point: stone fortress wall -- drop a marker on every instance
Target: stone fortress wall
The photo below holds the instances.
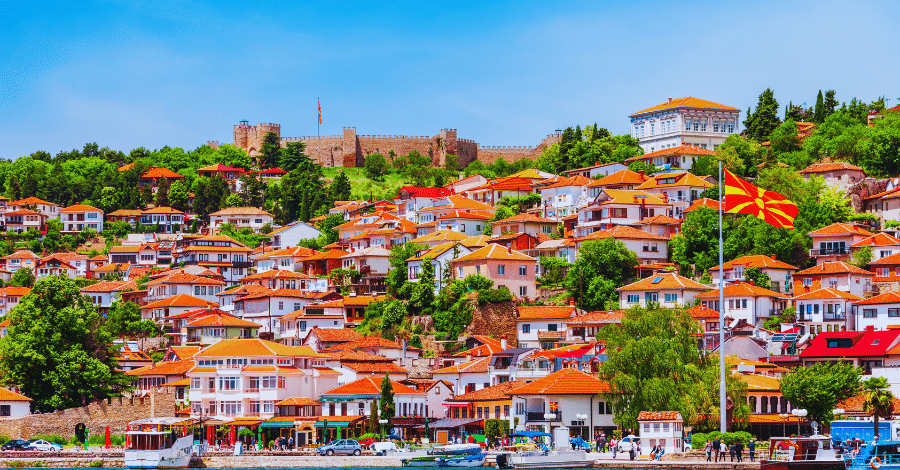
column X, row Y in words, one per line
column 350, row 149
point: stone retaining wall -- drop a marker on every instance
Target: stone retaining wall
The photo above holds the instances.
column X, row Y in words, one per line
column 96, row 416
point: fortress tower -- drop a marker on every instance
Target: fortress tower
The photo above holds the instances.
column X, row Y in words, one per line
column 250, row 138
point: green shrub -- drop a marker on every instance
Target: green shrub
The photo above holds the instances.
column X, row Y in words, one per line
column 3, row 439
column 698, row 440
column 96, row 464
column 54, row 438
column 418, row 329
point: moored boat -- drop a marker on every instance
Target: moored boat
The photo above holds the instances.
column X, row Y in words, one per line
column 877, row 455
column 451, row 455
column 156, row 443
column 801, row 453
column 541, row 459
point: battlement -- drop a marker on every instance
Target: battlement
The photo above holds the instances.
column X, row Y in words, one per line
column 213, row 144
column 504, row 147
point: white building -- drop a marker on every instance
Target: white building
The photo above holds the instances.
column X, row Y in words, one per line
column 825, row 309
column 666, row 289
column 880, row 312
column 240, row 217
column 78, row 217
column 684, row 121
column 13, row 405
column 291, row 234
column 661, row 428
column 745, row 301
column 558, row 399
column 355, row 399
column 441, row 256
column 542, row 326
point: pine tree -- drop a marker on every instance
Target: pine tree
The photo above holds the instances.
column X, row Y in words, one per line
column 819, row 111
column 162, row 193
column 340, row 187
column 388, row 410
column 373, row 417
column 147, row 194
column 830, row 104
column 764, row 119
column 270, row 150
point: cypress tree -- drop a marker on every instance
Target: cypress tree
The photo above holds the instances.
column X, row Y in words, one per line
column 819, row 111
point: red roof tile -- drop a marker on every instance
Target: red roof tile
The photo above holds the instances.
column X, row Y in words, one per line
column 756, row 261
column 368, row 386
column 826, row 167
column 864, row 344
column 742, row 289
column 564, row 382
column 689, row 102
column 658, row 415
column 841, row 228
column 544, row 312
column 494, row 393
column 833, row 267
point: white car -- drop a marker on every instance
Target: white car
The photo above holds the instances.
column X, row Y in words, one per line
column 626, row 443
column 44, row 446
column 382, row 448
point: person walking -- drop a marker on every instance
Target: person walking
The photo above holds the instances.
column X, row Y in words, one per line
column 739, row 450
column 751, row 449
column 715, row 448
column 732, row 449
column 615, row 446
column 708, row 450
column 723, row 450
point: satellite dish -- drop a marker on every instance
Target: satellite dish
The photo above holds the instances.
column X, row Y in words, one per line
column 815, row 427
column 80, row 429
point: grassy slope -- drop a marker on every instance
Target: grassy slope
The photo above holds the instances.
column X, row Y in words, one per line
column 364, row 188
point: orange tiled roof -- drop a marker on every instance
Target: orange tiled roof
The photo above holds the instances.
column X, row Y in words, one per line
column 458, row 214
column 756, row 261
column 545, row 312
column 6, row 395
column 161, row 173
column 508, row 183
column 841, row 228
column 183, row 278
column 576, row 180
column 477, row 241
column 440, row 236
column 494, row 393
column 890, row 297
column 855, row 403
column 161, row 210
column 743, row 289
column 181, row 300
column 681, row 150
column 164, row 368
column 621, row 177
column 633, row 197
column 701, row 312
column 369, row 386
column 494, row 251
column 31, row 201
column 658, row 415
column 689, row 102
column 297, row 401
column 13, row 291
column 622, row 232
column 475, row 366
column 275, row 274
column 598, row 316
column 109, row 286
column 240, row 211
column 371, row 342
column 827, row 294
column 879, row 239
column 22, row 254
column 664, row 281
column 357, row 356
column 326, row 255
column 185, row 352
column 659, row 220
column 703, row 202
column 826, row 167
column 679, row 179
column 221, row 320
column 256, row 347
column 334, row 335
column 380, row 367
column 756, row 383
column 833, row 267
column 564, row 382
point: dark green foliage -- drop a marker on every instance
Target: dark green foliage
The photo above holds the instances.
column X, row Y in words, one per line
column 602, row 266
column 23, row 277
column 124, row 319
column 764, row 119
column 57, row 349
column 758, row 277
column 340, row 187
column 293, row 156
column 270, row 150
column 397, row 274
column 819, row 111
column 388, row 409
column 820, row 387
column 376, row 166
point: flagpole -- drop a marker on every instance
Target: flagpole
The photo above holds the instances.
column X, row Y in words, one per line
column 318, row 123
column 722, row 396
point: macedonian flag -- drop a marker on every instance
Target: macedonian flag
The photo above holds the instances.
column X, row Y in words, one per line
column 742, row 197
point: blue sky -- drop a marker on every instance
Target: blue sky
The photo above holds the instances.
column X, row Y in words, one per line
column 154, row 73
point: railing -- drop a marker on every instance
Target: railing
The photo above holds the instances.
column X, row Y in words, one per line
column 252, row 390
column 539, row 416
column 241, row 264
column 828, row 252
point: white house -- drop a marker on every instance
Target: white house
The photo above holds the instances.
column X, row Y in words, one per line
column 13, row 405
column 542, row 326
column 441, row 256
column 355, row 399
column 779, row 272
column 291, row 234
column 745, row 301
column 649, row 247
column 564, row 197
column 666, row 289
column 825, row 309
column 240, row 217
column 77, row 217
column 619, row 207
column 661, row 428
column 466, row 377
column 684, row 121
column 879, row 312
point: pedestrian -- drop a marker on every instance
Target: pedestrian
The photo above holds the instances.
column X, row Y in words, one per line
column 614, row 444
column 716, row 450
column 708, row 450
column 723, row 450
column 660, row 451
column 751, row 448
column 739, row 450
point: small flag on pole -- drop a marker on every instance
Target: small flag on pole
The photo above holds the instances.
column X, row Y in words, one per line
column 320, row 111
column 742, row 197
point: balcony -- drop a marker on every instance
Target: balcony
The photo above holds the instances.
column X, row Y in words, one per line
column 241, row 264
column 539, row 416
column 829, row 252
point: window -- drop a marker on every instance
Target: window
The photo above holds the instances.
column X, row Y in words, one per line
column 303, row 326
column 523, row 271
column 523, row 291
column 462, row 227
column 655, row 427
column 459, row 271
column 552, row 327
column 651, row 296
column 228, row 383
column 526, row 328
column 869, row 313
column 501, row 269
column 730, row 304
column 894, row 312
column 634, row 298
column 646, row 427
column 671, row 297
column 269, row 382
column 744, row 303
column 478, row 269
column 688, row 126
column 665, row 427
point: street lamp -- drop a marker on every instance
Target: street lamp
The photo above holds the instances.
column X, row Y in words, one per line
column 383, row 422
column 800, row 414
column 784, row 417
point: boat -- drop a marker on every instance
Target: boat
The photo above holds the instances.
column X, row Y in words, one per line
column 814, row 452
column 877, row 455
column 451, row 455
column 155, row 443
column 538, row 458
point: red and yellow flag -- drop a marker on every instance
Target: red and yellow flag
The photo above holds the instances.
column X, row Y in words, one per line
column 320, row 111
column 742, row 197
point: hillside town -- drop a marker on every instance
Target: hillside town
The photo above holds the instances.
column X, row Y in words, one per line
column 273, row 297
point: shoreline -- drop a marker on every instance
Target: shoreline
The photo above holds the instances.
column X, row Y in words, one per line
column 263, row 460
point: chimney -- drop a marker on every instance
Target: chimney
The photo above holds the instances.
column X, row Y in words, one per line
column 571, row 302
column 752, row 283
column 509, row 248
column 665, row 197
column 468, row 356
column 774, row 258
column 870, row 328
column 596, row 163
column 503, row 343
column 670, row 100
column 641, row 173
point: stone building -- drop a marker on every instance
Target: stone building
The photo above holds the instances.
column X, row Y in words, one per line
column 684, row 121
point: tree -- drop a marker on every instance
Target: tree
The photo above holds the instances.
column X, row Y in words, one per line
column 758, row 277
column 784, row 138
column 879, row 400
column 293, row 156
column 146, row 194
column 554, row 271
column 376, row 166
column 830, row 104
column 601, row 267
column 422, row 292
column 764, row 119
column 340, row 187
column 388, row 410
column 162, row 193
column 654, row 365
column 124, row 319
column 397, row 274
column 270, row 150
column 819, row 387
column 109, row 199
column 373, row 414
column 819, row 111
column 863, row 257
column 178, row 196
column 57, row 350
column 417, row 167
column 329, row 234
column 23, row 277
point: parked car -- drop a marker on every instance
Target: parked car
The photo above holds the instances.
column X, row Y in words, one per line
column 15, row 444
column 626, row 443
column 341, row 446
column 365, row 443
column 44, row 446
column 382, row 448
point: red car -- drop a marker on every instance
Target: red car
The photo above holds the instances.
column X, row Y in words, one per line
column 365, row 443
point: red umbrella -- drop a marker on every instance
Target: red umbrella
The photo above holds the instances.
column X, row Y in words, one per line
column 233, row 435
column 127, row 437
column 107, row 442
column 209, row 434
column 183, row 430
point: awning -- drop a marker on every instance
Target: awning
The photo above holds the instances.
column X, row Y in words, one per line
column 450, row 423
column 277, row 424
column 244, row 422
